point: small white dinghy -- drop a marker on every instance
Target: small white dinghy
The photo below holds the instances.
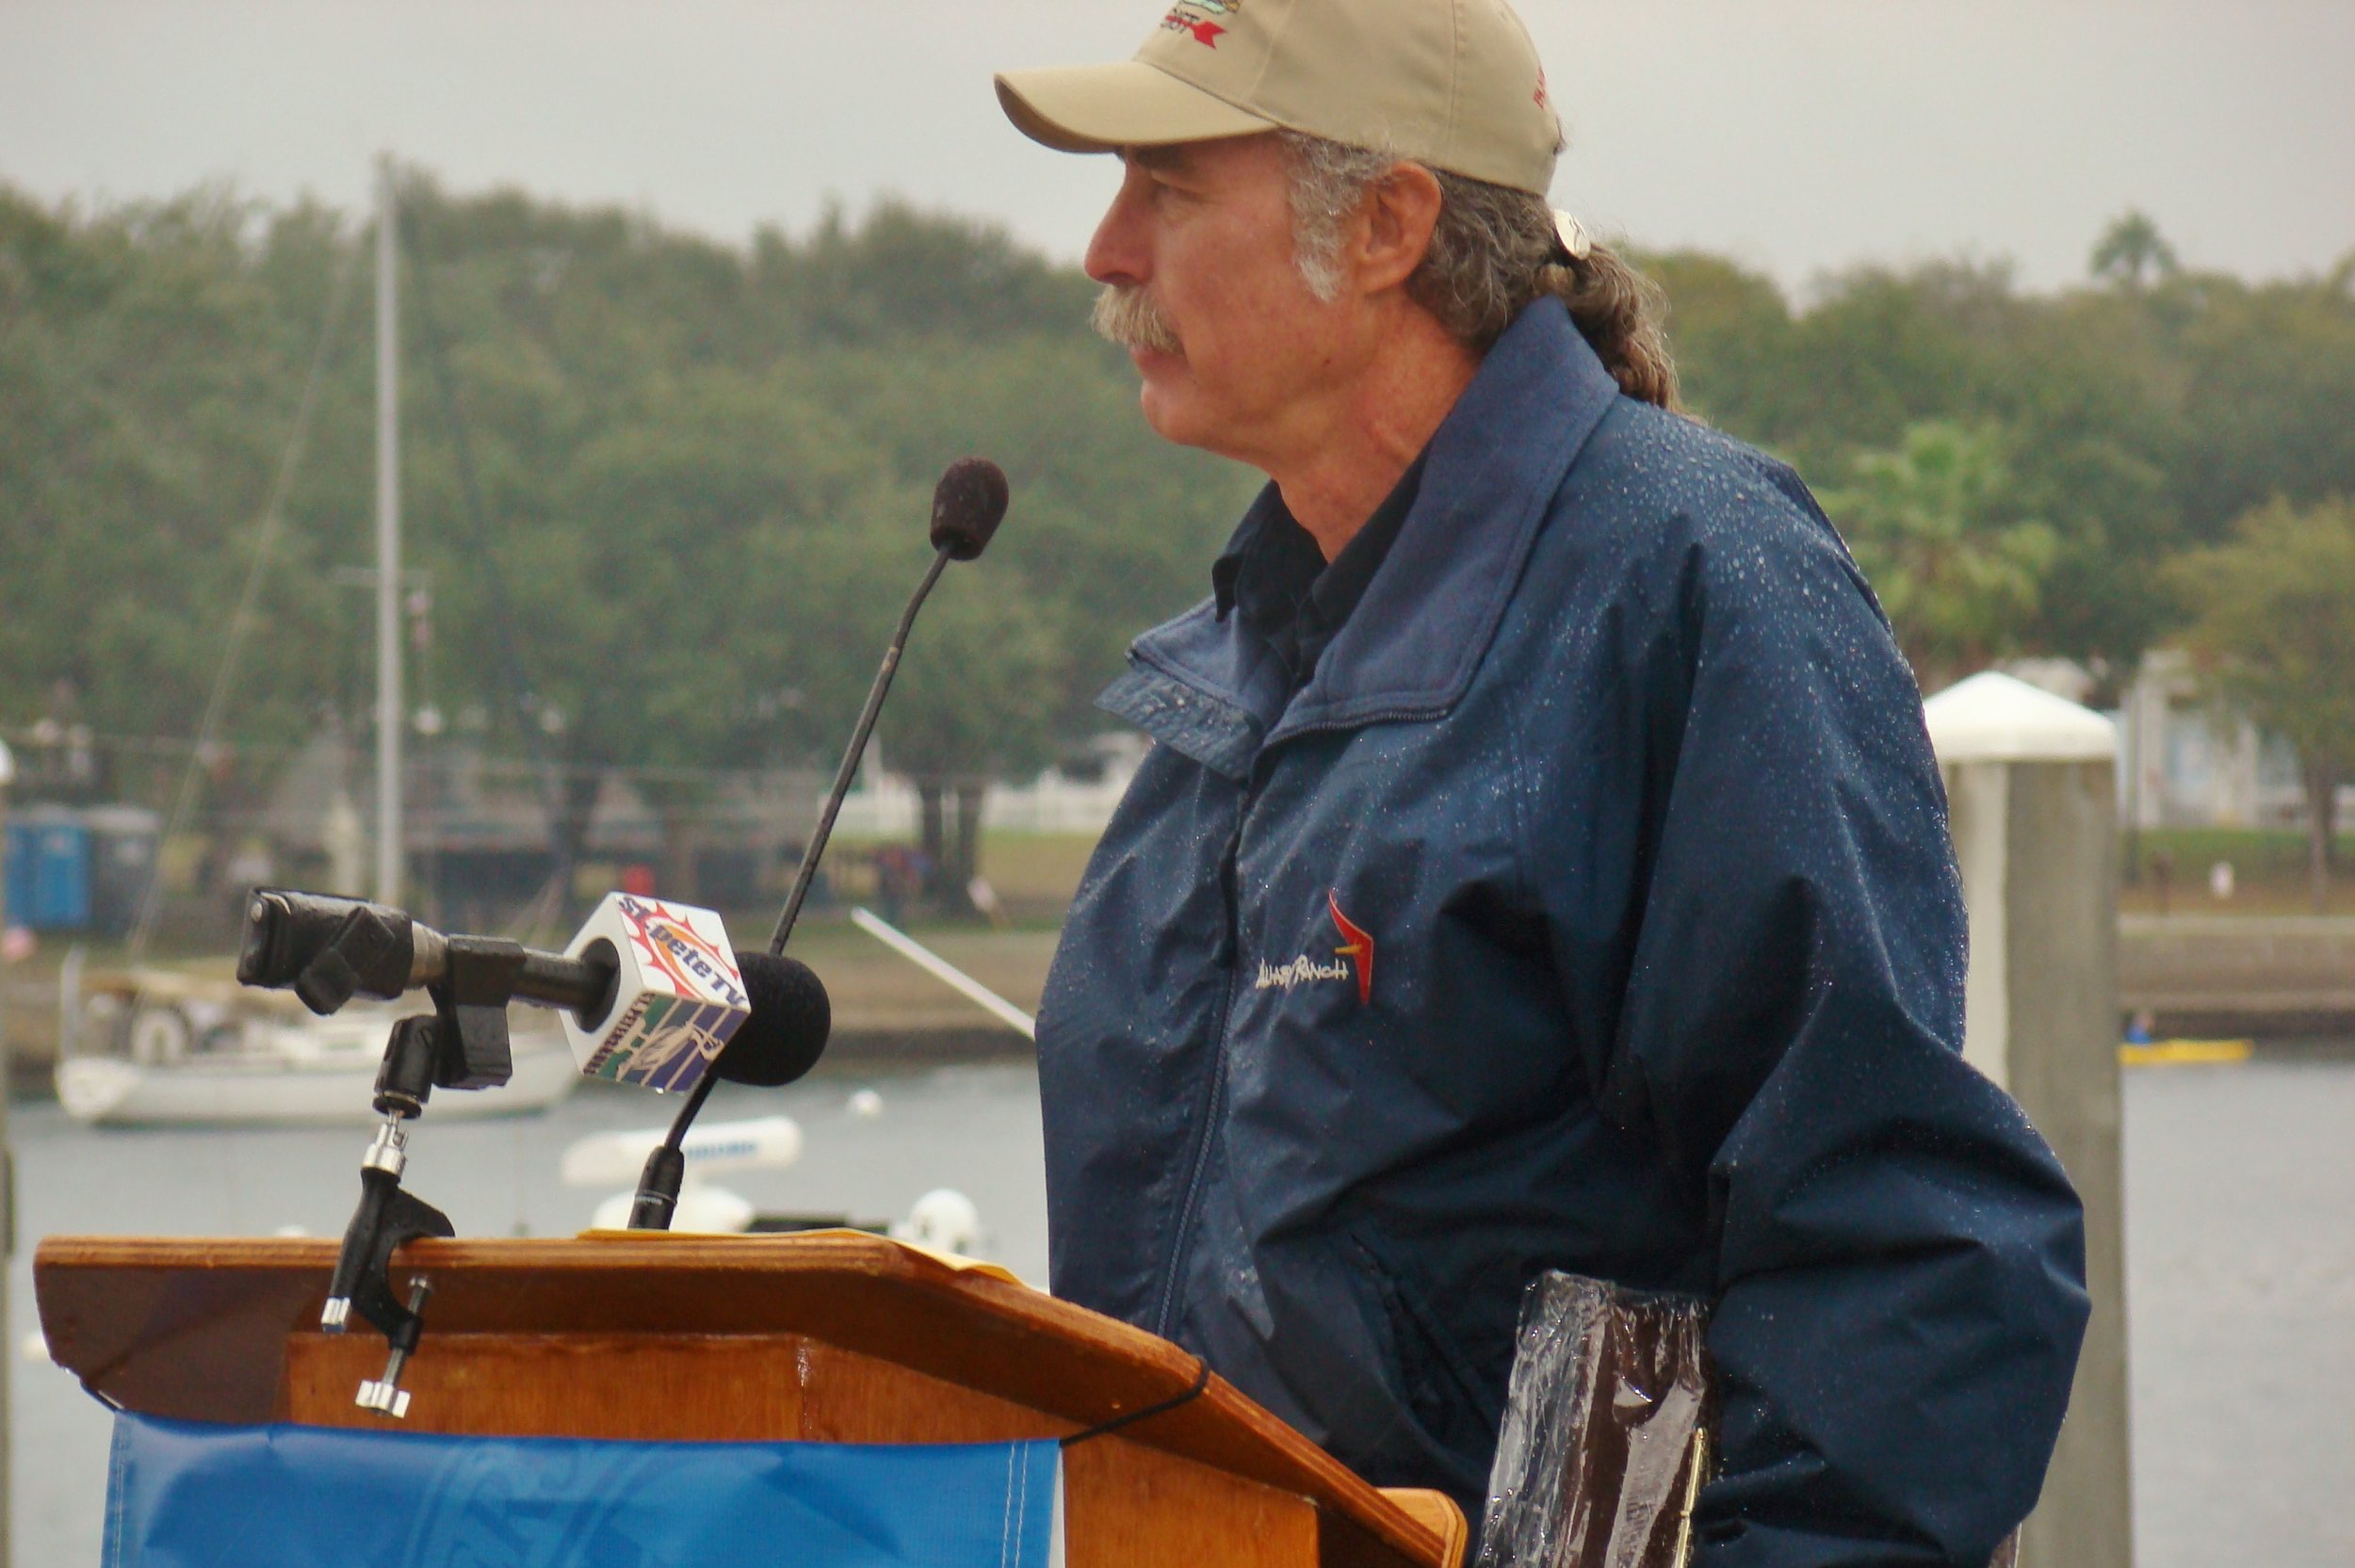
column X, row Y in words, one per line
column 614, row 1158
column 189, row 1050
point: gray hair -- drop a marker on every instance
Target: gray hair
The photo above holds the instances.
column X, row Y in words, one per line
column 1492, row 251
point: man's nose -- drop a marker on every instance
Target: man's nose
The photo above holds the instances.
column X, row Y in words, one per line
column 1118, row 252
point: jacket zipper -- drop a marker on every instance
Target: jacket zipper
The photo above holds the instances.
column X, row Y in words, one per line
column 1181, row 1242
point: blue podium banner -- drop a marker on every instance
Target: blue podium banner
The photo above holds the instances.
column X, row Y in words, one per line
column 190, row 1494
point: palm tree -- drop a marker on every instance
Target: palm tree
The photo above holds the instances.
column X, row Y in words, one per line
column 2131, row 251
column 1932, row 526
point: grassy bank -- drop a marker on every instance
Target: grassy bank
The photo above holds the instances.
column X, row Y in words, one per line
column 2166, row 870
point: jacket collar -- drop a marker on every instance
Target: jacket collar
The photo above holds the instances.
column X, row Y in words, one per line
column 1411, row 647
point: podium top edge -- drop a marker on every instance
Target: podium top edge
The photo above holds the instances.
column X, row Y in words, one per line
column 856, row 1252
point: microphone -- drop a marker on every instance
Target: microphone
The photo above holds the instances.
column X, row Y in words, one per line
column 968, row 503
column 780, row 1042
column 328, row 949
column 790, row 1019
column 652, row 994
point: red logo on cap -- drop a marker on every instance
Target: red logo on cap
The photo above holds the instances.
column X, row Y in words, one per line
column 1182, row 19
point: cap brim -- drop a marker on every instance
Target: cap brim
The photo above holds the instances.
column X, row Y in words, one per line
column 1102, row 108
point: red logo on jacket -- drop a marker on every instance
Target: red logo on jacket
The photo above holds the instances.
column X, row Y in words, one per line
column 1357, row 947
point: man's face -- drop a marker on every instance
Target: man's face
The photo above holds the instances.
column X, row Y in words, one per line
column 1205, row 232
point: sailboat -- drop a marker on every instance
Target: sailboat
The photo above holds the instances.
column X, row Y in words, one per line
column 207, row 1051
column 155, row 1046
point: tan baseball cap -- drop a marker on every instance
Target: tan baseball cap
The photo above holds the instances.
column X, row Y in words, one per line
column 1455, row 84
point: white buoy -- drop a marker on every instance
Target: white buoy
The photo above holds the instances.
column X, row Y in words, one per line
column 944, row 1219
column 865, row 1104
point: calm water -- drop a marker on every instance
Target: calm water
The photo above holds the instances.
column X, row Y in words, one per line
column 2241, row 1237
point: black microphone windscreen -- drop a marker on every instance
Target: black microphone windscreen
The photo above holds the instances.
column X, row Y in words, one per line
column 786, row 1032
column 967, row 505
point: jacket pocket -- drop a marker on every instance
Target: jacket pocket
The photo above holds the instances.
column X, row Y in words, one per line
column 1457, row 1407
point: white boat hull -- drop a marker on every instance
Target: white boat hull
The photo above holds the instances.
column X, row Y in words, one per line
column 264, row 1091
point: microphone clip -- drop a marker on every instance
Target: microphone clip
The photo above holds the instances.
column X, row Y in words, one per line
column 387, row 1218
column 462, row 1044
column 470, row 1010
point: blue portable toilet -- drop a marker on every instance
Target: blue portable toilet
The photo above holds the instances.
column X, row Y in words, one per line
column 8, row 858
column 49, row 869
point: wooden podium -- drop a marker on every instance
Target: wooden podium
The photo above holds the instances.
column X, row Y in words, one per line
column 835, row 1336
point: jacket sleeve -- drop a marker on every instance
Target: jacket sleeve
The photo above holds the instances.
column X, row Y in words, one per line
column 1899, row 1270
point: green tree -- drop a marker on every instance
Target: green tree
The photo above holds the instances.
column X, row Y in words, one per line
column 2131, row 251
column 1732, row 331
column 2266, row 375
column 2083, row 387
column 977, row 705
column 152, row 360
column 974, row 698
column 1934, row 527
column 744, row 483
column 700, row 473
column 1881, row 350
column 2087, row 407
column 2274, row 630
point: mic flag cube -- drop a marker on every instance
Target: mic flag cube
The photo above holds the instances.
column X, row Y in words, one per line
column 677, row 994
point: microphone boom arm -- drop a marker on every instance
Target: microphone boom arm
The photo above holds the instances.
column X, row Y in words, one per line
column 967, row 506
column 808, row 871
column 659, row 1185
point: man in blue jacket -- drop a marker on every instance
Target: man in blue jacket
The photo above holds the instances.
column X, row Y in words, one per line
column 1541, row 863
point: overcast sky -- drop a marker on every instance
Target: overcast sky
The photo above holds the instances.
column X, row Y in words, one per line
column 1799, row 136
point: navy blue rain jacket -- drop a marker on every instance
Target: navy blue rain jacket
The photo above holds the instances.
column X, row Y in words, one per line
column 1591, row 908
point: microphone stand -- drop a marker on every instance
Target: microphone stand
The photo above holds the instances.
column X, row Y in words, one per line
column 857, row 748
column 666, row 1167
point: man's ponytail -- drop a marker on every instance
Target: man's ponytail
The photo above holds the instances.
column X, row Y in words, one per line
column 1619, row 311
column 1492, row 251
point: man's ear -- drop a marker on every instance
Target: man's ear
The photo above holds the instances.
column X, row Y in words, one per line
column 1400, row 211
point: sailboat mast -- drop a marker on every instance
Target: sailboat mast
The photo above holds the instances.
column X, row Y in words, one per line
column 388, row 702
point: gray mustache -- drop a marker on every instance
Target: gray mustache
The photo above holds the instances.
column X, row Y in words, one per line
column 1127, row 317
